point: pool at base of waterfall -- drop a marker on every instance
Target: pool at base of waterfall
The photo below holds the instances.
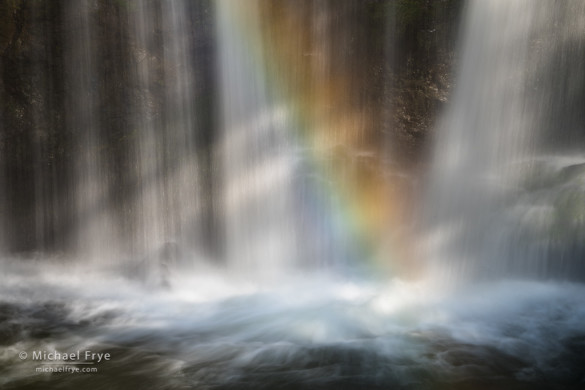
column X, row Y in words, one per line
column 215, row 331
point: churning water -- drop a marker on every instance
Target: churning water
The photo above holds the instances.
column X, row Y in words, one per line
column 212, row 331
column 501, row 303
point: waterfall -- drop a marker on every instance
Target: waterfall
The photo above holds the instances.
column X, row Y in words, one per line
column 136, row 189
column 94, row 227
column 166, row 169
column 132, row 152
column 230, row 194
column 257, row 150
column 110, row 165
column 494, row 207
column 298, row 149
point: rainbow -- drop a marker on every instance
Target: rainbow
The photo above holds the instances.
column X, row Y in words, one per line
column 337, row 129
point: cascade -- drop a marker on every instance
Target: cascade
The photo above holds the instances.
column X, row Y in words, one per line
column 258, row 154
column 93, row 227
column 166, row 169
column 289, row 140
column 500, row 193
column 111, row 168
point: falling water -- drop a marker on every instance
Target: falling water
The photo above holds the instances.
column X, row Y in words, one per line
column 115, row 170
column 285, row 143
column 500, row 190
column 257, row 151
column 166, row 169
column 94, row 227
